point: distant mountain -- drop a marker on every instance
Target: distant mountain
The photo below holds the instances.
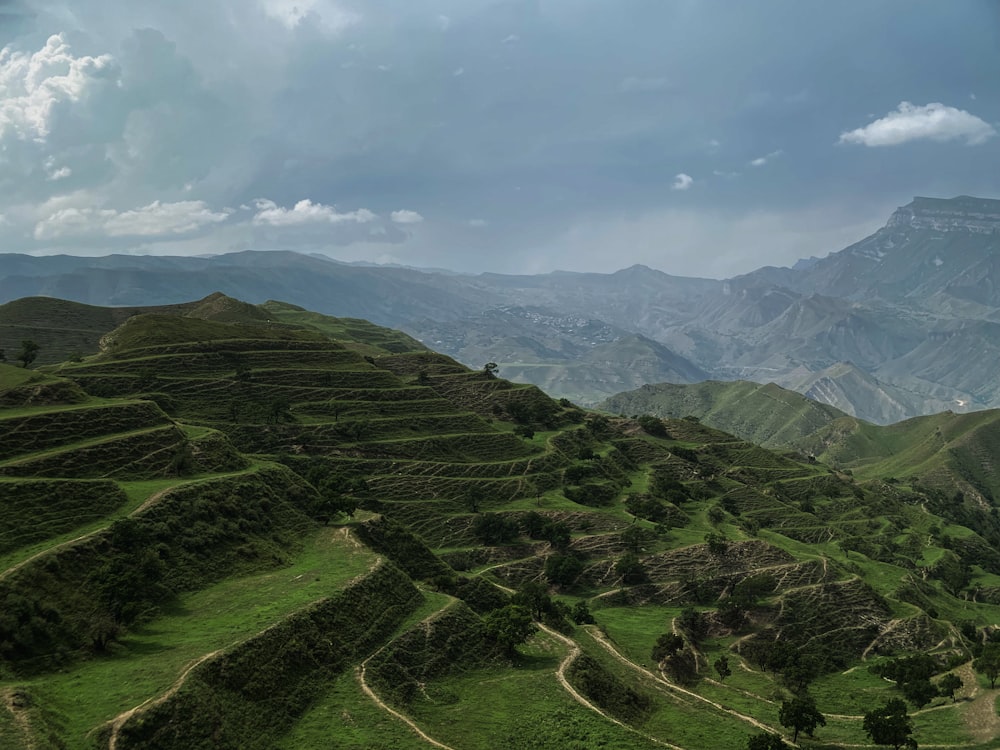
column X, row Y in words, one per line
column 903, row 323
column 569, row 356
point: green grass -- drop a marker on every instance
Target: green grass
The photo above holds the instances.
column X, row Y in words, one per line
column 522, row 707
column 151, row 657
column 350, row 716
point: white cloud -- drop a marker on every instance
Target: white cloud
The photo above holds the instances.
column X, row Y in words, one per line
column 34, row 86
column 760, row 161
column 156, row 219
column 322, row 13
column 682, row 182
column 933, row 121
column 306, row 212
column 478, row 223
column 406, row 217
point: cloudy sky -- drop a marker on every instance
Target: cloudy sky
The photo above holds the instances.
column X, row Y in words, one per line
column 700, row 137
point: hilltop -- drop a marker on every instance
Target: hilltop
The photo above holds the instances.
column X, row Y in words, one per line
column 258, row 526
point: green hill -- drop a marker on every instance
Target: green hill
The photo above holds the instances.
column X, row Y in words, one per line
column 258, row 527
column 765, row 414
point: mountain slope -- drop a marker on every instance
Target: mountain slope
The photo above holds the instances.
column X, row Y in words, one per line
column 765, row 414
column 253, row 532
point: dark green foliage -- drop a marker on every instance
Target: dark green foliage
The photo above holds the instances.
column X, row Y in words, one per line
column 607, row 691
column 28, row 353
column 33, row 510
column 634, row 538
column 666, row 646
column 912, row 676
column 479, row 594
column 919, row 692
column 653, row 426
column 948, row 684
column 592, row 494
column 801, row 715
column 722, row 667
column 492, row 528
column 403, row 547
column 630, row 570
column 766, row 741
column 555, row 533
column 717, row 543
column 509, row 627
column 524, row 431
column 532, row 524
column 581, row 614
column 889, row 725
column 652, row 509
column 563, row 570
column 988, row 663
column 692, row 624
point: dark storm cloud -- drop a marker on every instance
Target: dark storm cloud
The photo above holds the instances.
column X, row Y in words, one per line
column 527, row 134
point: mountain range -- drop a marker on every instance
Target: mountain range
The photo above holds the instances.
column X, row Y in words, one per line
column 903, row 323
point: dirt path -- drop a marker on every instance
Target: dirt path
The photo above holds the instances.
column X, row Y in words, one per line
column 151, row 500
column 981, row 717
column 360, row 672
column 119, row 721
column 609, row 647
column 20, row 718
column 574, row 651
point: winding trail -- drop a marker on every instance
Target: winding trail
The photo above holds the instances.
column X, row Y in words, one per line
column 609, row 647
column 20, row 718
column 574, row 652
column 359, row 672
column 119, row 721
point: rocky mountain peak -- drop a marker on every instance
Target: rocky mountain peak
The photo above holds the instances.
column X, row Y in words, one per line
column 961, row 214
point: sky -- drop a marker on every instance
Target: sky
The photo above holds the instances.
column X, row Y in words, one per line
column 698, row 137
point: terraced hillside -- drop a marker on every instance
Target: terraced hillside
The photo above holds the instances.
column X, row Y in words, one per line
column 262, row 528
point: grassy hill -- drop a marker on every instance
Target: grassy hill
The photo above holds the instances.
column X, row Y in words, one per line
column 765, row 414
column 260, row 527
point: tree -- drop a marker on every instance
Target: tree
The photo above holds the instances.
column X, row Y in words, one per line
column 989, row 663
column 490, row 370
column 563, row 570
column 28, row 353
column 630, row 568
column 493, row 528
column 919, row 692
column 948, row 684
column 766, row 741
column 722, row 667
column 667, row 644
column 509, row 627
column 889, row 725
column 581, row 614
column 801, row 715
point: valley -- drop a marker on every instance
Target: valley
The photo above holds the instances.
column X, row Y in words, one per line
column 873, row 330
